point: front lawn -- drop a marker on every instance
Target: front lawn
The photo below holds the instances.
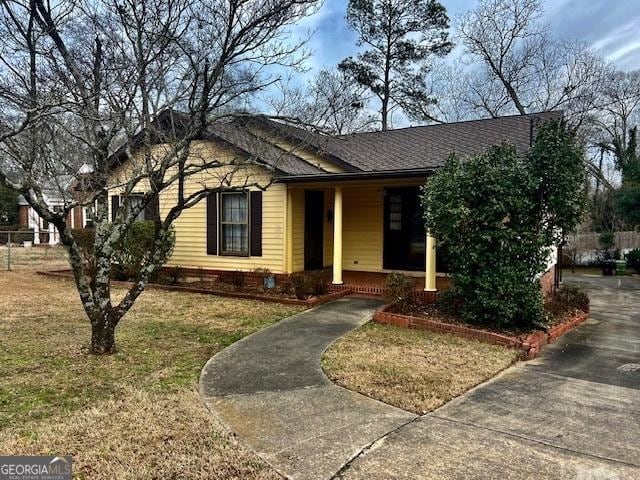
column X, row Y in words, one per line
column 132, row 415
column 43, row 257
column 414, row 370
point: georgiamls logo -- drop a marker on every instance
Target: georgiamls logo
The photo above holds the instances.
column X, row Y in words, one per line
column 35, row 468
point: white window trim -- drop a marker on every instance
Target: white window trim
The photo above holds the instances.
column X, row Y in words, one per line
column 219, row 239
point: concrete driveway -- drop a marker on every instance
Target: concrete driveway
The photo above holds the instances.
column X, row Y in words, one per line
column 573, row 413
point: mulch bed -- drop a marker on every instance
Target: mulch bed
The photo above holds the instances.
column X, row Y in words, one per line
column 222, row 290
column 430, row 317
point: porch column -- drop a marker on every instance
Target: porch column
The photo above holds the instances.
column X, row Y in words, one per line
column 337, row 236
column 430, row 270
column 289, row 233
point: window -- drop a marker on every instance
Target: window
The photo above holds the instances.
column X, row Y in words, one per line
column 134, row 202
column 395, row 212
column 88, row 216
column 234, row 223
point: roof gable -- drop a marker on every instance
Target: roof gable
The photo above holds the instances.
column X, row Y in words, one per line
column 411, row 149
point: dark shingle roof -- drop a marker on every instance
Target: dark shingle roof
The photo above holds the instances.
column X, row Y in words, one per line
column 405, row 150
column 261, row 150
column 424, row 147
column 429, row 146
column 303, row 138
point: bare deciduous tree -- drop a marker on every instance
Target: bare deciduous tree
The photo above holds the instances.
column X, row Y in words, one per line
column 97, row 84
column 521, row 68
column 617, row 114
column 330, row 102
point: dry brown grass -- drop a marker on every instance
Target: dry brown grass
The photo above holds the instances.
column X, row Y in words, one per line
column 34, row 258
column 415, row 370
column 142, row 436
column 135, row 413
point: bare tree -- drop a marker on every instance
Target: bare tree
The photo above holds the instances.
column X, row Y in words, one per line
column 519, row 66
column 330, row 102
column 339, row 105
column 617, row 114
column 98, row 84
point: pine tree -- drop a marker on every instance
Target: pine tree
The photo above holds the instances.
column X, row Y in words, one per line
column 400, row 36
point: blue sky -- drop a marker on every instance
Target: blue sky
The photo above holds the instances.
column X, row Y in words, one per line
column 611, row 26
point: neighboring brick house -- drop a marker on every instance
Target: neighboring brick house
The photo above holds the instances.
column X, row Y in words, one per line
column 43, row 231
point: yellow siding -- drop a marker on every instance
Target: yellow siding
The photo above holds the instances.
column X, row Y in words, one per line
column 191, row 233
column 363, row 233
column 362, row 218
column 191, row 237
column 298, row 226
column 362, row 228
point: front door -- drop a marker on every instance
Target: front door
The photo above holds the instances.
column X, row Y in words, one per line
column 313, row 230
column 404, row 234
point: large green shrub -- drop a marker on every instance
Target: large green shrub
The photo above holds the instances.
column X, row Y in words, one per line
column 633, row 259
column 498, row 213
column 135, row 246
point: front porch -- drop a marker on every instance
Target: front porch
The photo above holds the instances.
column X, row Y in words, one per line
column 372, row 283
column 362, row 231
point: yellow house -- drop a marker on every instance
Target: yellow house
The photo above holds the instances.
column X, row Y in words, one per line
column 306, row 201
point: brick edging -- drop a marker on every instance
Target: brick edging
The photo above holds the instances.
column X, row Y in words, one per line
column 530, row 345
column 310, row 302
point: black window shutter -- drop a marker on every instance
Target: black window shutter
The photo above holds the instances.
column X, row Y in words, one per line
column 115, row 206
column 255, row 201
column 212, row 224
column 152, row 210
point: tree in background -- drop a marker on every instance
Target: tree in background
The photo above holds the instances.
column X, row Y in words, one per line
column 628, row 196
column 98, row 85
column 617, row 113
column 520, row 68
column 498, row 214
column 330, row 102
column 338, row 104
column 8, row 206
column 517, row 66
column 611, row 131
column 400, row 37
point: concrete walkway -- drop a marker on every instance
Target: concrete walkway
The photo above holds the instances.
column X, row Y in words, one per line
column 269, row 389
column 573, row 413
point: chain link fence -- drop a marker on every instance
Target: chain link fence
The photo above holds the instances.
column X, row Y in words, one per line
column 24, row 250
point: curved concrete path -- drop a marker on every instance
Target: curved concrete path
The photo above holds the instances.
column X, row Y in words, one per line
column 269, row 388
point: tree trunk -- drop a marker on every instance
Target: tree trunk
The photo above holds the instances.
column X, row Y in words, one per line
column 103, row 339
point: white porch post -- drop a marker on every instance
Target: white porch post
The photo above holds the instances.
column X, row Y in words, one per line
column 430, row 265
column 337, row 236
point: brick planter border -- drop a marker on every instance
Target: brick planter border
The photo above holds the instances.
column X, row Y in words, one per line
column 310, row 302
column 529, row 345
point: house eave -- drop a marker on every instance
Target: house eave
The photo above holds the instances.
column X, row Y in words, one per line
column 336, row 177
